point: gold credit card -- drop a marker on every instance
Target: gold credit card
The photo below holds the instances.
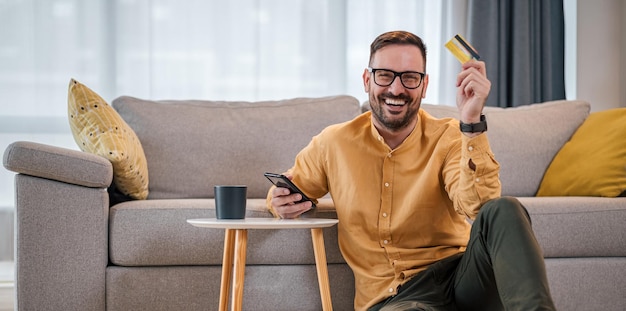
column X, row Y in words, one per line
column 462, row 50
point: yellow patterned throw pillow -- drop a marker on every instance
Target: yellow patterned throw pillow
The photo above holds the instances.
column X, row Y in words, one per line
column 593, row 161
column 97, row 128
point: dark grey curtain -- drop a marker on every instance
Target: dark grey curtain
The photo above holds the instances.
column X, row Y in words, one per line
column 522, row 43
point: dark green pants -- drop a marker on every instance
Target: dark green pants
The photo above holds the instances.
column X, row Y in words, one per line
column 502, row 269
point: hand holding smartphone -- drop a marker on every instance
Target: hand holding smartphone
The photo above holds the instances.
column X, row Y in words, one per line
column 280, row 180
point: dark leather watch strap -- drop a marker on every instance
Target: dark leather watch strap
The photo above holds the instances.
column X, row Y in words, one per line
column 474, row 127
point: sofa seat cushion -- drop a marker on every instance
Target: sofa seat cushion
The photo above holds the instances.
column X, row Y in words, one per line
column 156, row 233
column 578, row 226
column 194, row 145
column 525, row 139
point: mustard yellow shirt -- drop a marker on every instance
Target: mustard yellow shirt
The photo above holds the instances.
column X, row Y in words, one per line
column 399, row 210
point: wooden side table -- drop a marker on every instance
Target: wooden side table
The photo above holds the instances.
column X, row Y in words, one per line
column 235, row 243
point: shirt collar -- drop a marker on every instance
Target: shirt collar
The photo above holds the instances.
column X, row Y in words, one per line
column 415, row 133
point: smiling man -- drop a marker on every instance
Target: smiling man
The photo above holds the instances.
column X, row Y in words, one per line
column 421, row 220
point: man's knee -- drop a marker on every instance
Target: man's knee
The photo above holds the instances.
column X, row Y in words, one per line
column 506, row 208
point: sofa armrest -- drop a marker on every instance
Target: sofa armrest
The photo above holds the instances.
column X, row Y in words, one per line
column 61, row 227
column 56, row 163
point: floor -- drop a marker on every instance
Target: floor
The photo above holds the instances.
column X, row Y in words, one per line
column 6, row 286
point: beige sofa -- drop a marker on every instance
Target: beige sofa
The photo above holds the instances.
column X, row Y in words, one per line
column 76, row 252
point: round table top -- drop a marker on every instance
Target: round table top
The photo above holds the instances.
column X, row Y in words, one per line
column 263, row 223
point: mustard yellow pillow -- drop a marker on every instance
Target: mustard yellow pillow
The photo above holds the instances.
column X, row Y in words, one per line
column 593, row 161
column 97, row 128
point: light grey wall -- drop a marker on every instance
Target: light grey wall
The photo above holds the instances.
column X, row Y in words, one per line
column 6, row 233
column 596, row 69
column 623, row 53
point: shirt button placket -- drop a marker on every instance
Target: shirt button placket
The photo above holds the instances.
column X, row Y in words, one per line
column 385, row 208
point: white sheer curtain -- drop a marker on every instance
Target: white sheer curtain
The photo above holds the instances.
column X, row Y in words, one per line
column 198, row 49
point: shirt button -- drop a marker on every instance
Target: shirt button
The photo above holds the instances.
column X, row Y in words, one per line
column 385, row 242
column 380, row 138
column 386, row 184
column 384, row 214
column 391, row 290
column 470, row 148
column 477, row 179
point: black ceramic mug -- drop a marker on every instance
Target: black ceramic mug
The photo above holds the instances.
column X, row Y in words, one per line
column 230, row 202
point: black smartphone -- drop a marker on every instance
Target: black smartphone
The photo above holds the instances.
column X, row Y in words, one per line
column 280, row 180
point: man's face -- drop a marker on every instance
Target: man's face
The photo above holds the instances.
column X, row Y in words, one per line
column 395, row 107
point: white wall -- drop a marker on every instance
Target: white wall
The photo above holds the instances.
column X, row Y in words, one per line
column 596, row 68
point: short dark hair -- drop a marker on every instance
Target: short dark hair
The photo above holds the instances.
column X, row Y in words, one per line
column 397, row 37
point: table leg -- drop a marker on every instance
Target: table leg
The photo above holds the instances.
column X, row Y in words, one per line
column 241, row 241
column 322, row 268
column 227, row 268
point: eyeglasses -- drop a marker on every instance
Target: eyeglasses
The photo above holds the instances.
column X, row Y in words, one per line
column 385, row 77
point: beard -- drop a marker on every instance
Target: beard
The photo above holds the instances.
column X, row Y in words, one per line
column 392, row 121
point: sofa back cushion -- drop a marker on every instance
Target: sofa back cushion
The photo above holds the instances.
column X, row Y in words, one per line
column 525, row 139
column 192, row 145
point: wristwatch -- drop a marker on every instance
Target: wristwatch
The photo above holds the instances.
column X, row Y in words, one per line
column 474, row 127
